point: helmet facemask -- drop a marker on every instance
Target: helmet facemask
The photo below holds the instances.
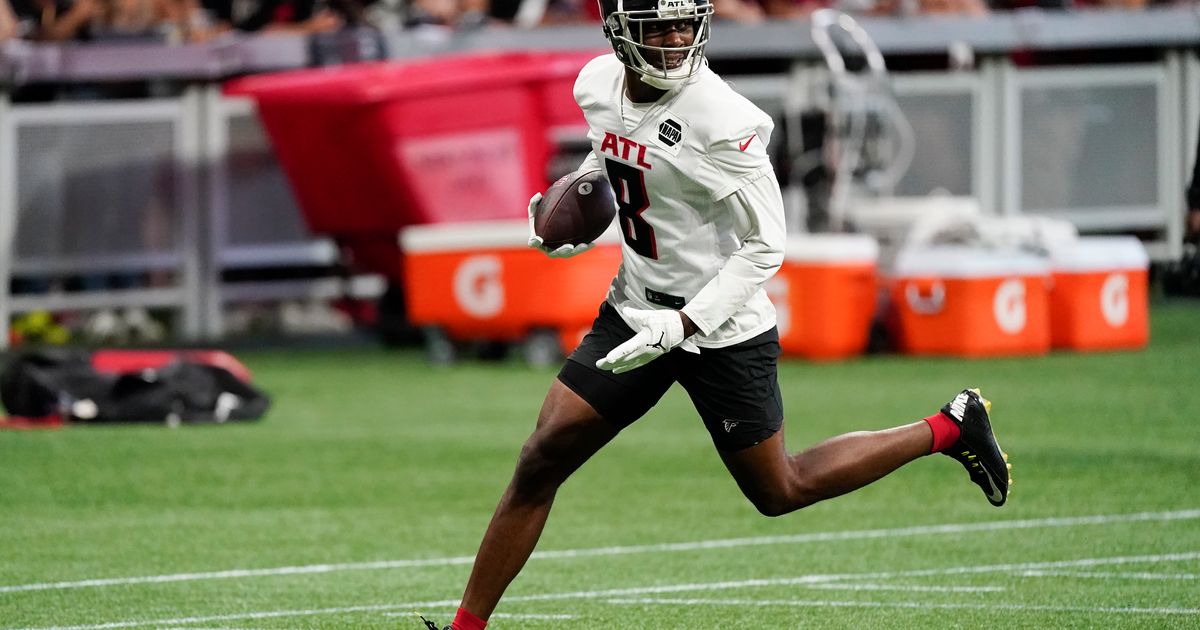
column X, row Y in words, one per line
column 659, row 67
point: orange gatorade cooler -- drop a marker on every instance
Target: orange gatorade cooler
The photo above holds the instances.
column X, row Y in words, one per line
column 824, row 294
column 480, row 281
column 1099, row 300
column 954, row 300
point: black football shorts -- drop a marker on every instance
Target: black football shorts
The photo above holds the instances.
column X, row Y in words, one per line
column 735, row 389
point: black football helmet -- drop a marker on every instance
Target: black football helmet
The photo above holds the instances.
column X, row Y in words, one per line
column 626, row 20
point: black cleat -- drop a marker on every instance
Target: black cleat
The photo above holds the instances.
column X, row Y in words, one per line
column 976, row 448
column 429, row 624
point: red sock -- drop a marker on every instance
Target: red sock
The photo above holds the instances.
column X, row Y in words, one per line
column 945, row 432
column 466, row 621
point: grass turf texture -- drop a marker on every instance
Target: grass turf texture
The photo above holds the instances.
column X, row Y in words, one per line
column 374, row 456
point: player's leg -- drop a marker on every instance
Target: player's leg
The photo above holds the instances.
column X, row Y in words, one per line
column 585, row 408
column 736, row 391
column 569, row 431
column 777, row 482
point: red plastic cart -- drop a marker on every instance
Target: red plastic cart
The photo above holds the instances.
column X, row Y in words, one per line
column 370, row 149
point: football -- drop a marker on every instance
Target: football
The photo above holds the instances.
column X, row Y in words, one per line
column 576, row 209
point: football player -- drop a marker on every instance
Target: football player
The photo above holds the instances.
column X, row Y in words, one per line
column 702, row 218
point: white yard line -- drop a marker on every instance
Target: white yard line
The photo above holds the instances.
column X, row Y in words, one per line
column 238, row 573
column 1021, row 567
column 1112, row 575
column 250, row 616
column 860, row 586
column 625, row 593
column 918, row 605
column 727, row 543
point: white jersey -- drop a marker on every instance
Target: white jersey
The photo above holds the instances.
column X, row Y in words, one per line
column 700, row 209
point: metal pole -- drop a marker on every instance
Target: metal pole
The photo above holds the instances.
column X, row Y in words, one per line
column 1171, row 130
column 191, row 241
column 1008, row 92
column 987, row 129
column 213, row 206
column 8, row 213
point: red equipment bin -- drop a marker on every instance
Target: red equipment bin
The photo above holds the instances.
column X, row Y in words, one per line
column 372, row 148
column 481, row 281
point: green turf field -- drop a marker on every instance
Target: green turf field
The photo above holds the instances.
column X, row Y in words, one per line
column 362, row 496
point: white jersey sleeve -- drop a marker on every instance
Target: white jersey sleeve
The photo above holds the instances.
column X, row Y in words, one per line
column 757, row 210
column 737, row 172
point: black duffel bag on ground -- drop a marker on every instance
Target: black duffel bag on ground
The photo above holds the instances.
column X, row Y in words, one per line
column 64, row 383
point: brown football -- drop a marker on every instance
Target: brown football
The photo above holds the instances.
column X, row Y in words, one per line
column 576, row 209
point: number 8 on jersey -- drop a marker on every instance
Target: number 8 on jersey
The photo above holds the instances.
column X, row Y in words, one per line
column 629, row 184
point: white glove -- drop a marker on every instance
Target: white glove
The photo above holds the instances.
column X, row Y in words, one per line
column 656, row 332
column 535, row 241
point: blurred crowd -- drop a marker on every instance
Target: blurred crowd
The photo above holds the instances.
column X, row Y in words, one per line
column 200, row 20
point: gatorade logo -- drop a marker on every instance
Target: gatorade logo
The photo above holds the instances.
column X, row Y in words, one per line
column 1008, row 306
column 1114, row 300
column 477, row 286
